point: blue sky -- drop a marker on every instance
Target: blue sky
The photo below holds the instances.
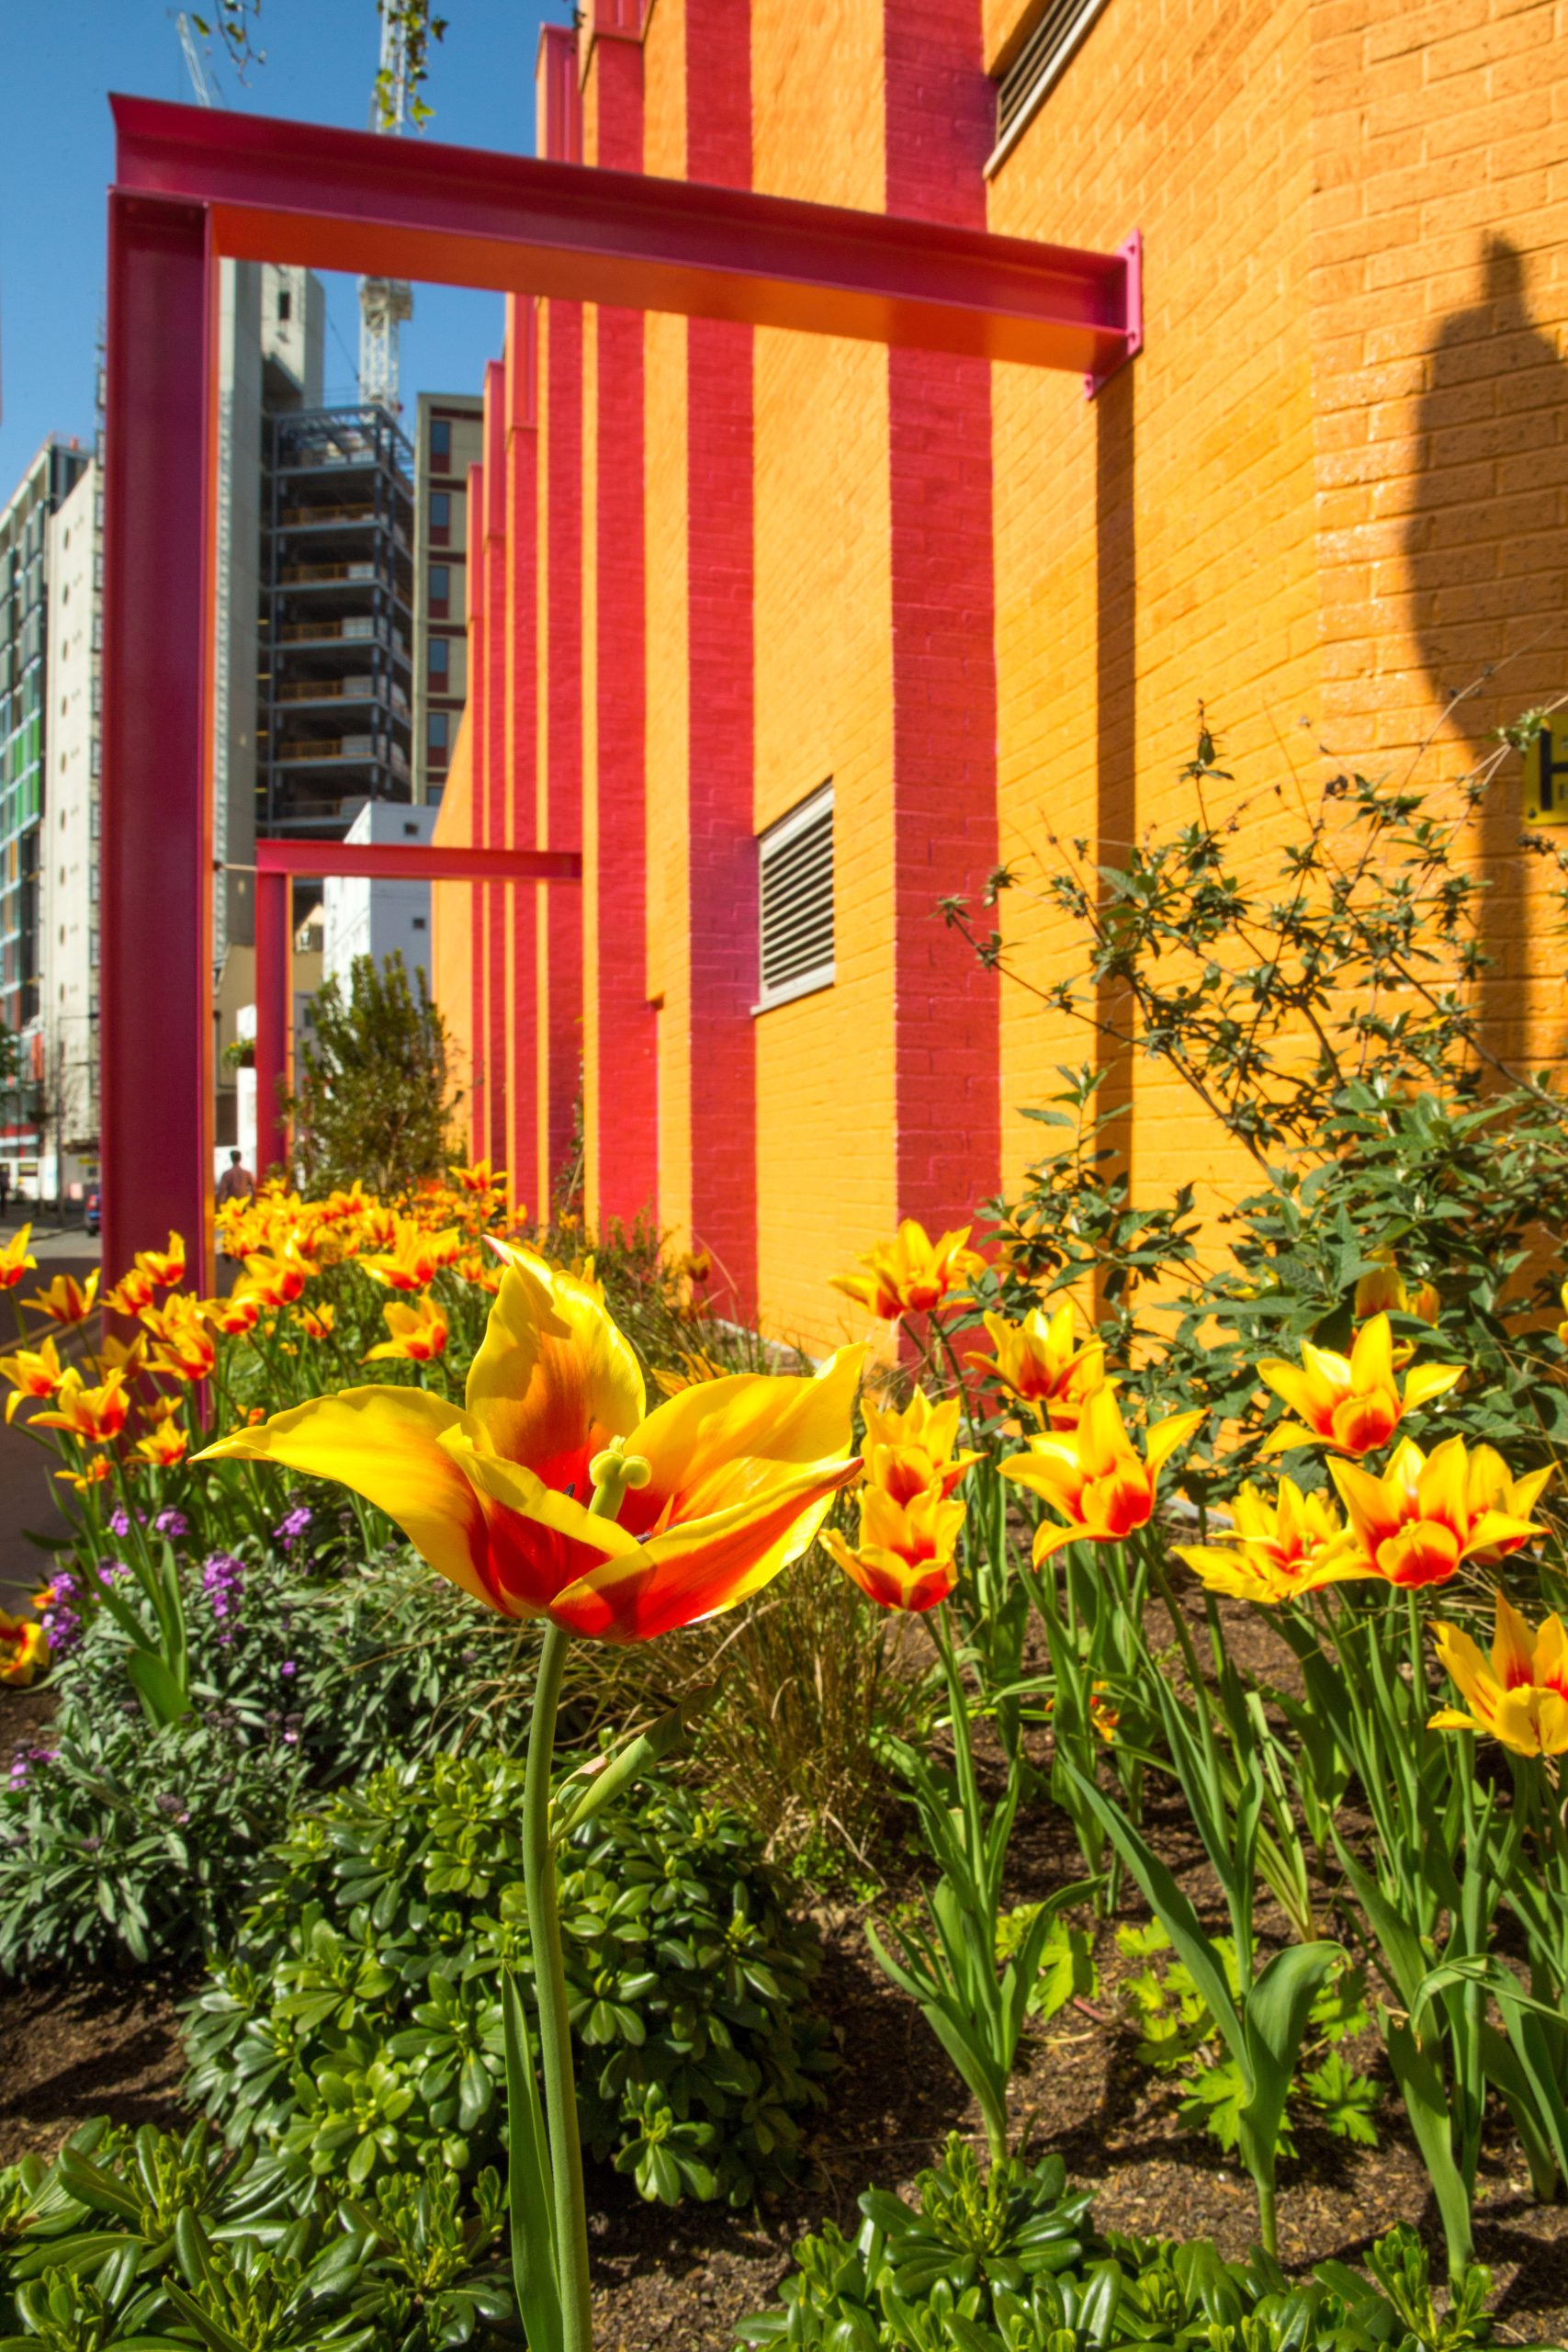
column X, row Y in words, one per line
column 59, row 58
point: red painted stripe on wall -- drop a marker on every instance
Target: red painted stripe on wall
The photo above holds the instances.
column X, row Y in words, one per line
column 493, row 554
column 946, row 1010
column 626, row 1142
column 522, row 731
column 478, row 717
column 721, row 589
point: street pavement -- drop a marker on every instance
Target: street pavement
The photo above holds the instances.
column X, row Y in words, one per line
column 27, row 1487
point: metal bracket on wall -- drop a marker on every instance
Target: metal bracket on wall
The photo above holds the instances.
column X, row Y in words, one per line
column 1132, row 254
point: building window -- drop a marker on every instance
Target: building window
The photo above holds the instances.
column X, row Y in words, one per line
column 439, row 660
column 440, row 445
column 284, row 306
column 438, row 736
column 794, row 888
column 440, row 591
column 440, row 518
column 1031, row 74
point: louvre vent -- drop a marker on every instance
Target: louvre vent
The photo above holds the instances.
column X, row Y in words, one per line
column 1062, row 25
column 795, row 862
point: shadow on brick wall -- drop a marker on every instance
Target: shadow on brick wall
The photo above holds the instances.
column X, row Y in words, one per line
column 1486, row 554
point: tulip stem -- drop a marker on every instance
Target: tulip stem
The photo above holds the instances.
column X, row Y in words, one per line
column 549, row 1990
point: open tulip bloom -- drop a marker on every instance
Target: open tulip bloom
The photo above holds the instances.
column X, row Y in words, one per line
column 1520, row 1694
column 552, row 1491
column 1094, row 1477
column 1352, row 1404
column 912, row 1274
column 1280, row 1550
column 1424, row 1516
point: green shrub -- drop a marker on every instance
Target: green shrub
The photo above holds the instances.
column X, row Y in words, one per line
column 122, row 1840
column 1008, row 2262
column 159, row 2240
column 356, row 2025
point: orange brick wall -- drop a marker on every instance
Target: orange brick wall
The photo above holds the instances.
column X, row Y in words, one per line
column 1331, row 492
column 825, row 1064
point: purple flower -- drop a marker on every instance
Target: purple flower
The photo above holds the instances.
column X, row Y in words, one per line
column 290, row 1529
column 288, row 1669
column 171, row 1522
column 61, row 1621
column 23, row 1761
column 120, row 1524
column 223, row 1582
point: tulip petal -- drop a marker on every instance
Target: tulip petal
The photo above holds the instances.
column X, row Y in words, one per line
column 539, row 1540
column 554, row 1380
column 386, row 1444
column 694, row 1570
column 1430, row 1380
column 1165, row 1438
column 1513, row 1647
column 714, row 1443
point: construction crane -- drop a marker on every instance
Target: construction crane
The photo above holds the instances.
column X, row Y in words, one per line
column 208, row 93
column 386, row 302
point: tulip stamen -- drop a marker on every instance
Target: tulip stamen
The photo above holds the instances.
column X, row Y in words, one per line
column 612, row 1475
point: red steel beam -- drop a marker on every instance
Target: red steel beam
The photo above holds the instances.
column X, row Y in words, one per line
column 155, row 955
column 417, row 861
column 273, row 1008
column 407, row 208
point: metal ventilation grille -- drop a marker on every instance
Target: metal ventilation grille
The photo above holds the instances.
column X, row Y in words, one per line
column 795, row 883
column 1062, row 26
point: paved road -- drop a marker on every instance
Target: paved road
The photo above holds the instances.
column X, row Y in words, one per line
column 27, row 1488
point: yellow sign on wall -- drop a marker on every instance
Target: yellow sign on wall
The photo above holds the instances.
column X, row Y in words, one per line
column 1545, row 773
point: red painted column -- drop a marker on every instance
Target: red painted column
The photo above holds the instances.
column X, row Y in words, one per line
column 477, row 717
column 273, row 1009
column 721, row 592
column 521, row 780
column 625, row 1138
column 156, row 848
column 492, row 554
column 946, row 1010
column 560, row 140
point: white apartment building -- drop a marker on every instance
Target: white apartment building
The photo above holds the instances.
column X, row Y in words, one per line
column 64, row 1046
column 366, row 918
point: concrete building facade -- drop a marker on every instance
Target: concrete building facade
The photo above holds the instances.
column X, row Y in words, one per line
column 66, row 1048
column 378, row 918
column 448, row 439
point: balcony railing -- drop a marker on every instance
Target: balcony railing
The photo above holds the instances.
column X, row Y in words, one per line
column 298, row 574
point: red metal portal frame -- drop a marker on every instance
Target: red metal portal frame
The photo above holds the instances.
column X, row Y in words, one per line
column 193, row 188
column 277, row 863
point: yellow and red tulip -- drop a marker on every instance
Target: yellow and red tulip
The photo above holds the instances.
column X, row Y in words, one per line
column 1417, row 1522
column 906, row 1557
column 66, row 1301
column 495, row 1493
column 1520, row 1695
column 912, row 1274
column 14, row 1260
column 479, row 1178
column 276, row 1278
column 1493, row 1487
column 907, row 1451
column 317, row 1322
column 1352, row 1404
column 93, row 1415
column 418, row 1332
column 24, row 1650
column 166, row 1442
column 1384, row 1290
column 415, row 1258
column 182, row 1346
column 1093, row 1476
column 166, row 1266
column 32, row 1372
column 1041, row 1362
column 131, row 1293
column 1278, row 1550
column 234, row 1315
